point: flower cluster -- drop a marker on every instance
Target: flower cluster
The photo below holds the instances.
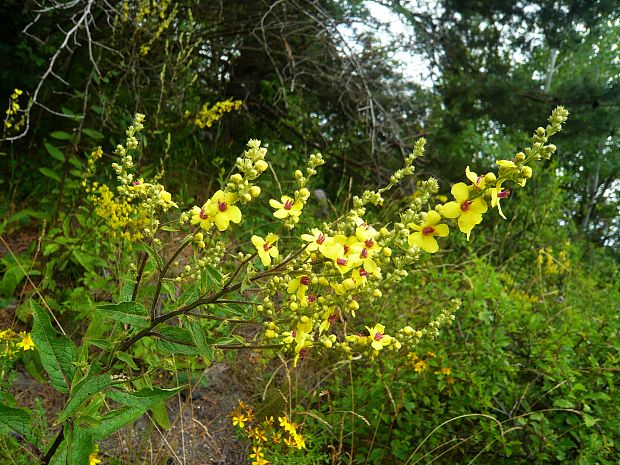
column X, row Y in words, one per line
column 421, row 365
column 288, row 209
column 267, row 434
column 207, row 116
column 221, row 209
column 13, row 120
column 130, row 211
column 485, row 191
column 12, row 343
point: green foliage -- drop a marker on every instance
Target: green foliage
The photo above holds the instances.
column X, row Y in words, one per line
column 528, row 372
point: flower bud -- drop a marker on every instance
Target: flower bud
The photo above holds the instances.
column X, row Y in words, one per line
column 408, row 330
column 348, row 284
column 387, row 252
column 261, row 165
column 304, row 193
column 377, row 293
column 198, row 237
column 490, row 177
column 353, row 305
column 236, row 178
column 298, row 174
column 519, row 157
column 526, row 171
column 254, row 191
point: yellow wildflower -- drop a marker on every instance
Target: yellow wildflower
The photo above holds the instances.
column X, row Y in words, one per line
column 477, row 181
column 288, row 207
column 424, row 237
column 92, row 458
column 266, row 248
column 378, row 340
column 468, row 212
column 26, row 343
column 420, row 366
column 222, row 210
column 239, row 420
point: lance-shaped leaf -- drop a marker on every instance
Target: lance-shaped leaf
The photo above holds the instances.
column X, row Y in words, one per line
column 79, row 444
column 81, row 392
column 57, row 352
column 175, row 340
column 199, row 337
column 14, row 419
column 135, row 405
column 131, row 313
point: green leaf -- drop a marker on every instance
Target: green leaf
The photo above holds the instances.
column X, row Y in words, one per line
column 170, row 288
column 589, row 420
column 123, row 357
column 79, row 445
column 61, row 135
column 96, row 135
column 54, row 152
column 199, row 337
column 145, row 398
column 14, row 419
column 136, row 405
column 191, row 294
column 84, row 259
column 563, row 403
column 160, row 415
column 153, row 255
column 58, row 353
column 50, row 174
column 81, row 392
column 131, row 313
column 184, row 346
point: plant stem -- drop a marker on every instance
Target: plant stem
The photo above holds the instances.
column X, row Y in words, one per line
column 162, row 275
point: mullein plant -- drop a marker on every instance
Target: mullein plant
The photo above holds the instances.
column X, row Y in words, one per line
column 309, row 290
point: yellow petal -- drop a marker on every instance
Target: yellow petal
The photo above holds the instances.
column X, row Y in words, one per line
column 222, row 221
column 234, row 214
column 442, row 230
column 275, row 204
column 257, row 241
column 432, row 218
column 460, row 191
column 451, row 210
column 429, row 244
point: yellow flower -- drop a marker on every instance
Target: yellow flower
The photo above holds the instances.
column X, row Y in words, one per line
column 468, row 212
column 257, row 452
column 420, row 366
column 477, row 181
column 299, row 286
column 200, row 216
column 222, row 210
column 378, row 340
column 497, row 193
column 266, row 248
column 288, row 207
column 26, row 343
column 424, row 237
column 318, row 241
column 239, row 420
column 92, row 458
